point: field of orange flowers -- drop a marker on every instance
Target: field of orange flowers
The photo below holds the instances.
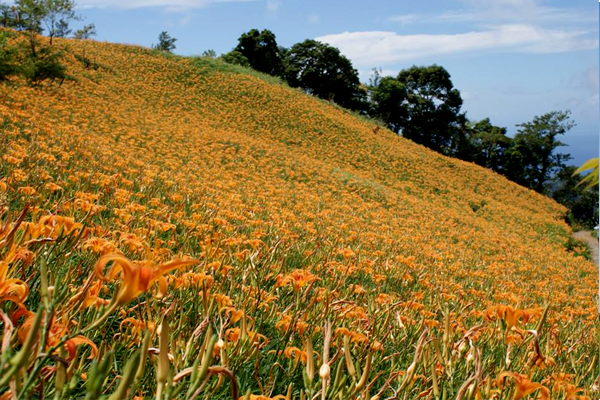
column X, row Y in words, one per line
column 174, row 229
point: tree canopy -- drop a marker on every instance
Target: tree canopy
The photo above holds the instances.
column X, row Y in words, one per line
column 432, row 107
column 260, row 50
column 388, row 96
column 323, row 71
column 532, row 158
column 165, row 42
column 488, row 144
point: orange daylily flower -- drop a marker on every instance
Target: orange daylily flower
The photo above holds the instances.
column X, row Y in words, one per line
column 234, row 334
column 11, row 289
column 90, row 297
column 259, row 397
column 137, row 277
column 55, row 333
column 512, row 316
column 523, row 386
column 297, row 278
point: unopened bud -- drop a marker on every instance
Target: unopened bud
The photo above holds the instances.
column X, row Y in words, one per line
column 220, row 343
column 470, row 357
column 324, row 371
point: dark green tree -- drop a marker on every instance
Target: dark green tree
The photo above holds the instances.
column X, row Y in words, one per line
column 387, row 97
column 582, row 202
column 8, row 56
column 44, row 66
column 86, row 32
column 236, row 58
column 33, row 15
column 165, row 42
column 62, row 29
column 323, row 71
column 11, row 17
column 30, row 14
column 432, row 116
column 488, row 144
column 261, row 50
column 532, row 157
column 209, row 53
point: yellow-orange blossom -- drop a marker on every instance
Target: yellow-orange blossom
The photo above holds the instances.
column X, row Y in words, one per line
column 137, row 278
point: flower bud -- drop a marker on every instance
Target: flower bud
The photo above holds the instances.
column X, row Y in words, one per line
column 324, row 371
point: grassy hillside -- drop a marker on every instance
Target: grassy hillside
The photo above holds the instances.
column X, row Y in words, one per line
column 245, row 218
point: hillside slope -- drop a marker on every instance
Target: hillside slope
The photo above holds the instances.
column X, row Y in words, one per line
column 298, row 212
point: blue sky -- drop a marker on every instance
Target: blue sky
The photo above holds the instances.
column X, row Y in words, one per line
column 511, row 59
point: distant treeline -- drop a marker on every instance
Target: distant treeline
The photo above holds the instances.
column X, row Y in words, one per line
column 422, row 104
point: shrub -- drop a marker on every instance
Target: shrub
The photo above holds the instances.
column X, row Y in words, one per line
column 45, row 65
column 8, row 54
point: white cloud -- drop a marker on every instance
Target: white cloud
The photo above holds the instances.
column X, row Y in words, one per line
column 172, row 5
column 494, row 12
column 381, row 47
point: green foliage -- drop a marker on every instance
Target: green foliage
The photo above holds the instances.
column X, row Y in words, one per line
column 323, row 71
column 532, row 157
column 488, row 145
column 86, row 32
column 432, row 109
column 165, row 42
column 234, row 57
column 207, row 65
column 578, row 248
column 209, row 53
column 11, row 17
column 56, row 16
column 388, row 96
column 24, row 15
column 45, row 65
column 87, row 61
column 582, row 203
column 261, row 51
column 8, row 54
column 62, row 29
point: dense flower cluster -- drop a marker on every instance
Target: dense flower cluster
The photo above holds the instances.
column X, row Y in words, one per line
column 173, row 230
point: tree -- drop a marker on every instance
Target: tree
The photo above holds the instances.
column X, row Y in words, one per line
column 209, row 53
column 323, row 71
column 11, row 17
column 86, row 32
column 45, row 65
column 261, row 51
column 57, row 14
column 532, row 157
column 388, row 96
column 165, row 42
column 432, row 117
column 30, row 14
column 62, row 29
column 8, row 59
column 488, row 144
column 33, row 15
column 236, row 58
column 566, row 188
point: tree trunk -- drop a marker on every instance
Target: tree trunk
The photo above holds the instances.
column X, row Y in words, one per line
column 32, row 44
